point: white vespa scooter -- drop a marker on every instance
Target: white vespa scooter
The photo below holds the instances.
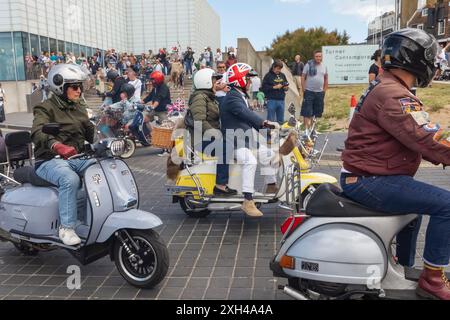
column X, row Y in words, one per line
column 342, row 250
column 109, row 220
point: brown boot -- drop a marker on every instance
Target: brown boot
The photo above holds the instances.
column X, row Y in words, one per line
column 272, row 189
column 249, row 207
column 433, row 284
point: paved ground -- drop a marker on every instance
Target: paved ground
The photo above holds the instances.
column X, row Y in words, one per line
column 225, row 256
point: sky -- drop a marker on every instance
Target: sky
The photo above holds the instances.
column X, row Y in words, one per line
column 262, row 20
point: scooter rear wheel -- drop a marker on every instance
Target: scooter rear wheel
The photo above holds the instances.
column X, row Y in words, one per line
column 145, row 267
column 130, row 147
column 191, row 210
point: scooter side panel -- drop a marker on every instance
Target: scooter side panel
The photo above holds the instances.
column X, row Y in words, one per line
column 339, row 253
column 31, row 210
column 380, row 229
column 100, row 198
column 121, row 183
column 133, row 219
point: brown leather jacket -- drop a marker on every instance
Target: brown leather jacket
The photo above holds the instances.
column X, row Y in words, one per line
column 391, row 133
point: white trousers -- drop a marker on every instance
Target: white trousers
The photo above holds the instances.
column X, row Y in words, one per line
column 247, row 159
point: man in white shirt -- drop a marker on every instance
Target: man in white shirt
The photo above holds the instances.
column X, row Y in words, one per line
column 221, row 85
column 137, row 83
column 255, row 86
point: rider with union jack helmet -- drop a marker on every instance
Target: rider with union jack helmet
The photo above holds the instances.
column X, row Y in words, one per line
column 236, row 115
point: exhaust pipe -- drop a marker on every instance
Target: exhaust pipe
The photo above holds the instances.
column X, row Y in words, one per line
column 294, row 293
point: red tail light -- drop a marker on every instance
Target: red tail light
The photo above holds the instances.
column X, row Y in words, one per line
column 298, row 221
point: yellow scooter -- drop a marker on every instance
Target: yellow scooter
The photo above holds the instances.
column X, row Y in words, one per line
column 194, row 183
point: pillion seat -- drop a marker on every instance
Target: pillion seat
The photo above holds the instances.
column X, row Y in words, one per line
column 329, row 202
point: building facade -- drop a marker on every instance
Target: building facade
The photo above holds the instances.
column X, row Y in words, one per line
column 154, row 24
column 380, row 27
column 32, row 27
column 434, row 18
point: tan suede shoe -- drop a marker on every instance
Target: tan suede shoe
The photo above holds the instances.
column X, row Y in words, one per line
column 249, row 207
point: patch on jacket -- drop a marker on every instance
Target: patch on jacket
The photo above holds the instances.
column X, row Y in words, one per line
column 410, row 105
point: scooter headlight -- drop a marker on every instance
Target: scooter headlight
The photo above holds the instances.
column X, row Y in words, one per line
column 117, row 148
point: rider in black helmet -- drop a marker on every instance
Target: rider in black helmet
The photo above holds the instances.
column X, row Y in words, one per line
column 389, row 137
column 118, row 81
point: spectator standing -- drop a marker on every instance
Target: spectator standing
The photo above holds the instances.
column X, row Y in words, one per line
column 255, row 86
column 34, row 87
column 136, row 83
column 44, row 87
column 315, row 85
column 188, row 61
column 275, row 85
column 375, row 69
column 297, row 71
column 218, row 57
column 221, row 87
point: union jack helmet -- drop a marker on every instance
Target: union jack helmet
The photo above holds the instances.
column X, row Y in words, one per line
column 238, row 74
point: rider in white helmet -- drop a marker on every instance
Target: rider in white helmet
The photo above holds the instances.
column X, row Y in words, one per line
column 68, row 108
column 204, row 110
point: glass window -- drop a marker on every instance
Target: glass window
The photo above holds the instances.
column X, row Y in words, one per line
column 69, row 47
column 7, row 72
column 25, row 43
column 76, row 50
column 83, row 50
column 61, row 46
column 34, row 41
column 20, row 57
column 53, row 45
column 44, row 44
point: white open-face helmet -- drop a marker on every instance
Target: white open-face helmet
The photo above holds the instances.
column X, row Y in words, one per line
column 204, row 79
column 62, row 74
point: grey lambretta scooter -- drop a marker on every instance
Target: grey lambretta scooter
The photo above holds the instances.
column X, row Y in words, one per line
column 342, row 250
column 109, row 220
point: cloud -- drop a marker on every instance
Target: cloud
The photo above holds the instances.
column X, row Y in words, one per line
column 364, row 10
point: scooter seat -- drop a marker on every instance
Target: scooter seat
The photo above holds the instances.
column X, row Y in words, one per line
column 28, row 175
column 329, row 202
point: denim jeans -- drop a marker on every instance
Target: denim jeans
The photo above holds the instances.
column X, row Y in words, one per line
column 275, row 111
column 404, row 195
column 66, row 176
column 188, row 65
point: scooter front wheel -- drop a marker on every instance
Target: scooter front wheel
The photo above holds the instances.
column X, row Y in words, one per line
column 130, row 149
column 142, row 258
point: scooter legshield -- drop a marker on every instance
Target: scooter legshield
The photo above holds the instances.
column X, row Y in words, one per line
column 133, row 219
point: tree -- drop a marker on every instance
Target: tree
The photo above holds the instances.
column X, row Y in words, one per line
column 305, row 42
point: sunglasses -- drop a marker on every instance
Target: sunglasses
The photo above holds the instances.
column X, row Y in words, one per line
column 76, row 86
column 221, row 67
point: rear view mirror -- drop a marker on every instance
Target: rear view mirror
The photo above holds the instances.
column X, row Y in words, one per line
column 52, row 129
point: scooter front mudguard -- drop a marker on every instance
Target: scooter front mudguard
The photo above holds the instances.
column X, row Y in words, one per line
column 133, row 219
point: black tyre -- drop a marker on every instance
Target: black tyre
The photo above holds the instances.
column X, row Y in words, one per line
column 188, row 208
column 130, row 149
column 26, row 250
column 144, row 268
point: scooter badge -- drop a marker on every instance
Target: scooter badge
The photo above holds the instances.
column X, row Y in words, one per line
column 97, row 179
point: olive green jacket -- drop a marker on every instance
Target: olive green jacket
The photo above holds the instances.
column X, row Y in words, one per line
column 76, row 128
column 205, row 109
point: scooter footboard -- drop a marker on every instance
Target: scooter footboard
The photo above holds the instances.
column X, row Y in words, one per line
column 339, row 253
column 133, row 219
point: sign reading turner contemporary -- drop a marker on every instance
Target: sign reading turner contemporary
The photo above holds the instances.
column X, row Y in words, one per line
column 348, row 64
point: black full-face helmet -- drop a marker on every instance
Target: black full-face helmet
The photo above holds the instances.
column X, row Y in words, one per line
column 413, row 50
column 128, row 89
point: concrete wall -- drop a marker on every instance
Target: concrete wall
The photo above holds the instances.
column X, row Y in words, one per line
column 16, row 95
column 262, row 64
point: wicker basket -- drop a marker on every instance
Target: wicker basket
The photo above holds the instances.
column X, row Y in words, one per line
column 162, row 138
